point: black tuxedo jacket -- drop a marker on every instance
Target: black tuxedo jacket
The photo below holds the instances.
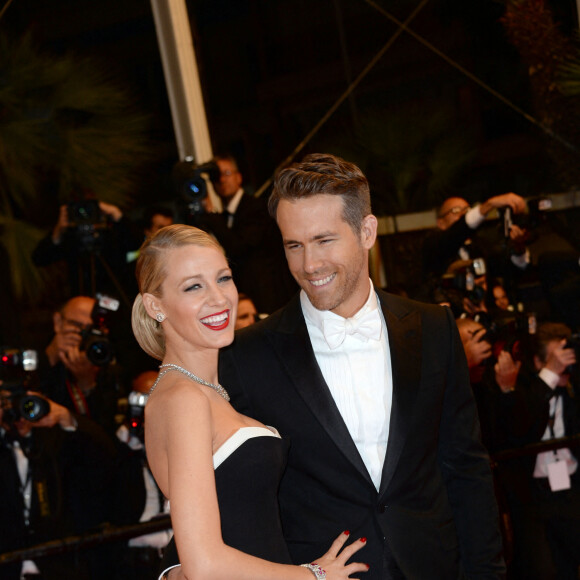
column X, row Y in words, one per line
column 525, row 416
column 434, row 515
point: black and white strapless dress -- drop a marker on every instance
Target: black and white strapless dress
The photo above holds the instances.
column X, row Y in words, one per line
column 248, row 468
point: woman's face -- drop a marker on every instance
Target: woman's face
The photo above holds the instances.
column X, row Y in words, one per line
column 199, row 299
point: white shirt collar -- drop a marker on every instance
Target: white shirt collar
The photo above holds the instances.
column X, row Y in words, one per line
column 235, row 201
column 315, row 317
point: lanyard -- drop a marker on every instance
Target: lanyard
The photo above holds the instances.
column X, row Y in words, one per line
column 78, row 399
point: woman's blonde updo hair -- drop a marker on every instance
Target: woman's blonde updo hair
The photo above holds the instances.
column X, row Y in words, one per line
column 150, row 272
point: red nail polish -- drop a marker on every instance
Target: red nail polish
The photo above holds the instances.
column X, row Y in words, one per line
column 368, row 567
column 363, row 540
column 346, row 532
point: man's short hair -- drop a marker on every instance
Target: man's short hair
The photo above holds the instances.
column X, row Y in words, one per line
column 548, row 332
column 227, row 157
column 323, row 173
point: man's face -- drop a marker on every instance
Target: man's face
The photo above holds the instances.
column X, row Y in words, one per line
column 550, row 348
column 246, row 314
column 451, row 211
column 230, row 179
column 74, row 318
column 326, row 257
column 500, row 298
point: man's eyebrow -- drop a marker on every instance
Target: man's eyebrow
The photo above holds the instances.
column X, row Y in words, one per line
column 313, row 238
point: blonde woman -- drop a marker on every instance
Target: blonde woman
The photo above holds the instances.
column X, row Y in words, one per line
column 219, row 469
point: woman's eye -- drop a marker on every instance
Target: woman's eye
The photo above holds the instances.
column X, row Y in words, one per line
column 225, row 278
column 193, row 287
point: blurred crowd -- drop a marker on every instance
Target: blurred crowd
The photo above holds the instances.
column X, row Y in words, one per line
column 72, row 457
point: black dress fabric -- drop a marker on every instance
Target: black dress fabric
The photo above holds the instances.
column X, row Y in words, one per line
column 247, row 482
column 247, row 489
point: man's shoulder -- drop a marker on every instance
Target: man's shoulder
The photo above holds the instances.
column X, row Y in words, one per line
column 401, row 305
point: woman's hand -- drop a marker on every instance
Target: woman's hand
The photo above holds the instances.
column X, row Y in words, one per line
column 334, row 561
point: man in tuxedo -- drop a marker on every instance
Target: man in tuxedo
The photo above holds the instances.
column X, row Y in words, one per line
column 543, row 490
column 55, row 475
column 372, row 393
column 250, row 239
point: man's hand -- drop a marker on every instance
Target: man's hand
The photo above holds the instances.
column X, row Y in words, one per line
column 58, row 415
column 476, row 349
column 512, row 200
column 65, row 338
column 506, row 371
column 560, row 358
column 111, row 210
column 84, row 371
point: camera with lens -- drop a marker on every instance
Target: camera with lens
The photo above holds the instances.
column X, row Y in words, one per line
column 16, row 367
column 191, row 185
column 95, row 340
column 87, row 221
column 535, row 216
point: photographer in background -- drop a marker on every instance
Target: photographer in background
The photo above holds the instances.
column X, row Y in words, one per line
column 87, row 385
column 455, row 238
column 550, row 281
column 93, row 238
column 54, row 479
column 543, row 491
column 250, row 239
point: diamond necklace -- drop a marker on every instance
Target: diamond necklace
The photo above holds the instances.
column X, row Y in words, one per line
column 171, row 367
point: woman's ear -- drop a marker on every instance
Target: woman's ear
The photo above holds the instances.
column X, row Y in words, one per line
column 152, row 305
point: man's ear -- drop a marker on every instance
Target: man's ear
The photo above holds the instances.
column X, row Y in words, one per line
column 152, row 304
column 368, row 231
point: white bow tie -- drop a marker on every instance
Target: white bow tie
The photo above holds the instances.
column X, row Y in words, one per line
column 367, row 326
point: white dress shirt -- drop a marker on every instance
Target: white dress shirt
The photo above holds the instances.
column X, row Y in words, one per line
column 359, row 376
column 233, row 206
column 557, row 412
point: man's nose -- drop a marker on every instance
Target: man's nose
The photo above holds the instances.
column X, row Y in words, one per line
column 311, row 261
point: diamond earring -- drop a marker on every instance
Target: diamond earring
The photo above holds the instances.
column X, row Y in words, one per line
column 160, row 317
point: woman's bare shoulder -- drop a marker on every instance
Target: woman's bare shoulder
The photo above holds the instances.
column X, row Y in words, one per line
column 177, row 397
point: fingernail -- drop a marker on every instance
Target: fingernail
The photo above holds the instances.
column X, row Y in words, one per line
column 367, row 566
column 346, row 532
column 363, row 539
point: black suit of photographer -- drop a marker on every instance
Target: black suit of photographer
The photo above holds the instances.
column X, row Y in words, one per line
column 69, row 473
column 100, row 405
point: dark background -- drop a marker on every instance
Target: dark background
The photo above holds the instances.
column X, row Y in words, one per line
column 271, row 70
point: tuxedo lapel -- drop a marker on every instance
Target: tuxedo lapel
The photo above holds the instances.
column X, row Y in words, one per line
column 291, row 341
column 404, row 331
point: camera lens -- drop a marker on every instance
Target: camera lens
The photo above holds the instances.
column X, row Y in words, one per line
column 33, row 408
column 99, row 351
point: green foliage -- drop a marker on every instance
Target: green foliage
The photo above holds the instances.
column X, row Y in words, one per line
column 65, row 127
